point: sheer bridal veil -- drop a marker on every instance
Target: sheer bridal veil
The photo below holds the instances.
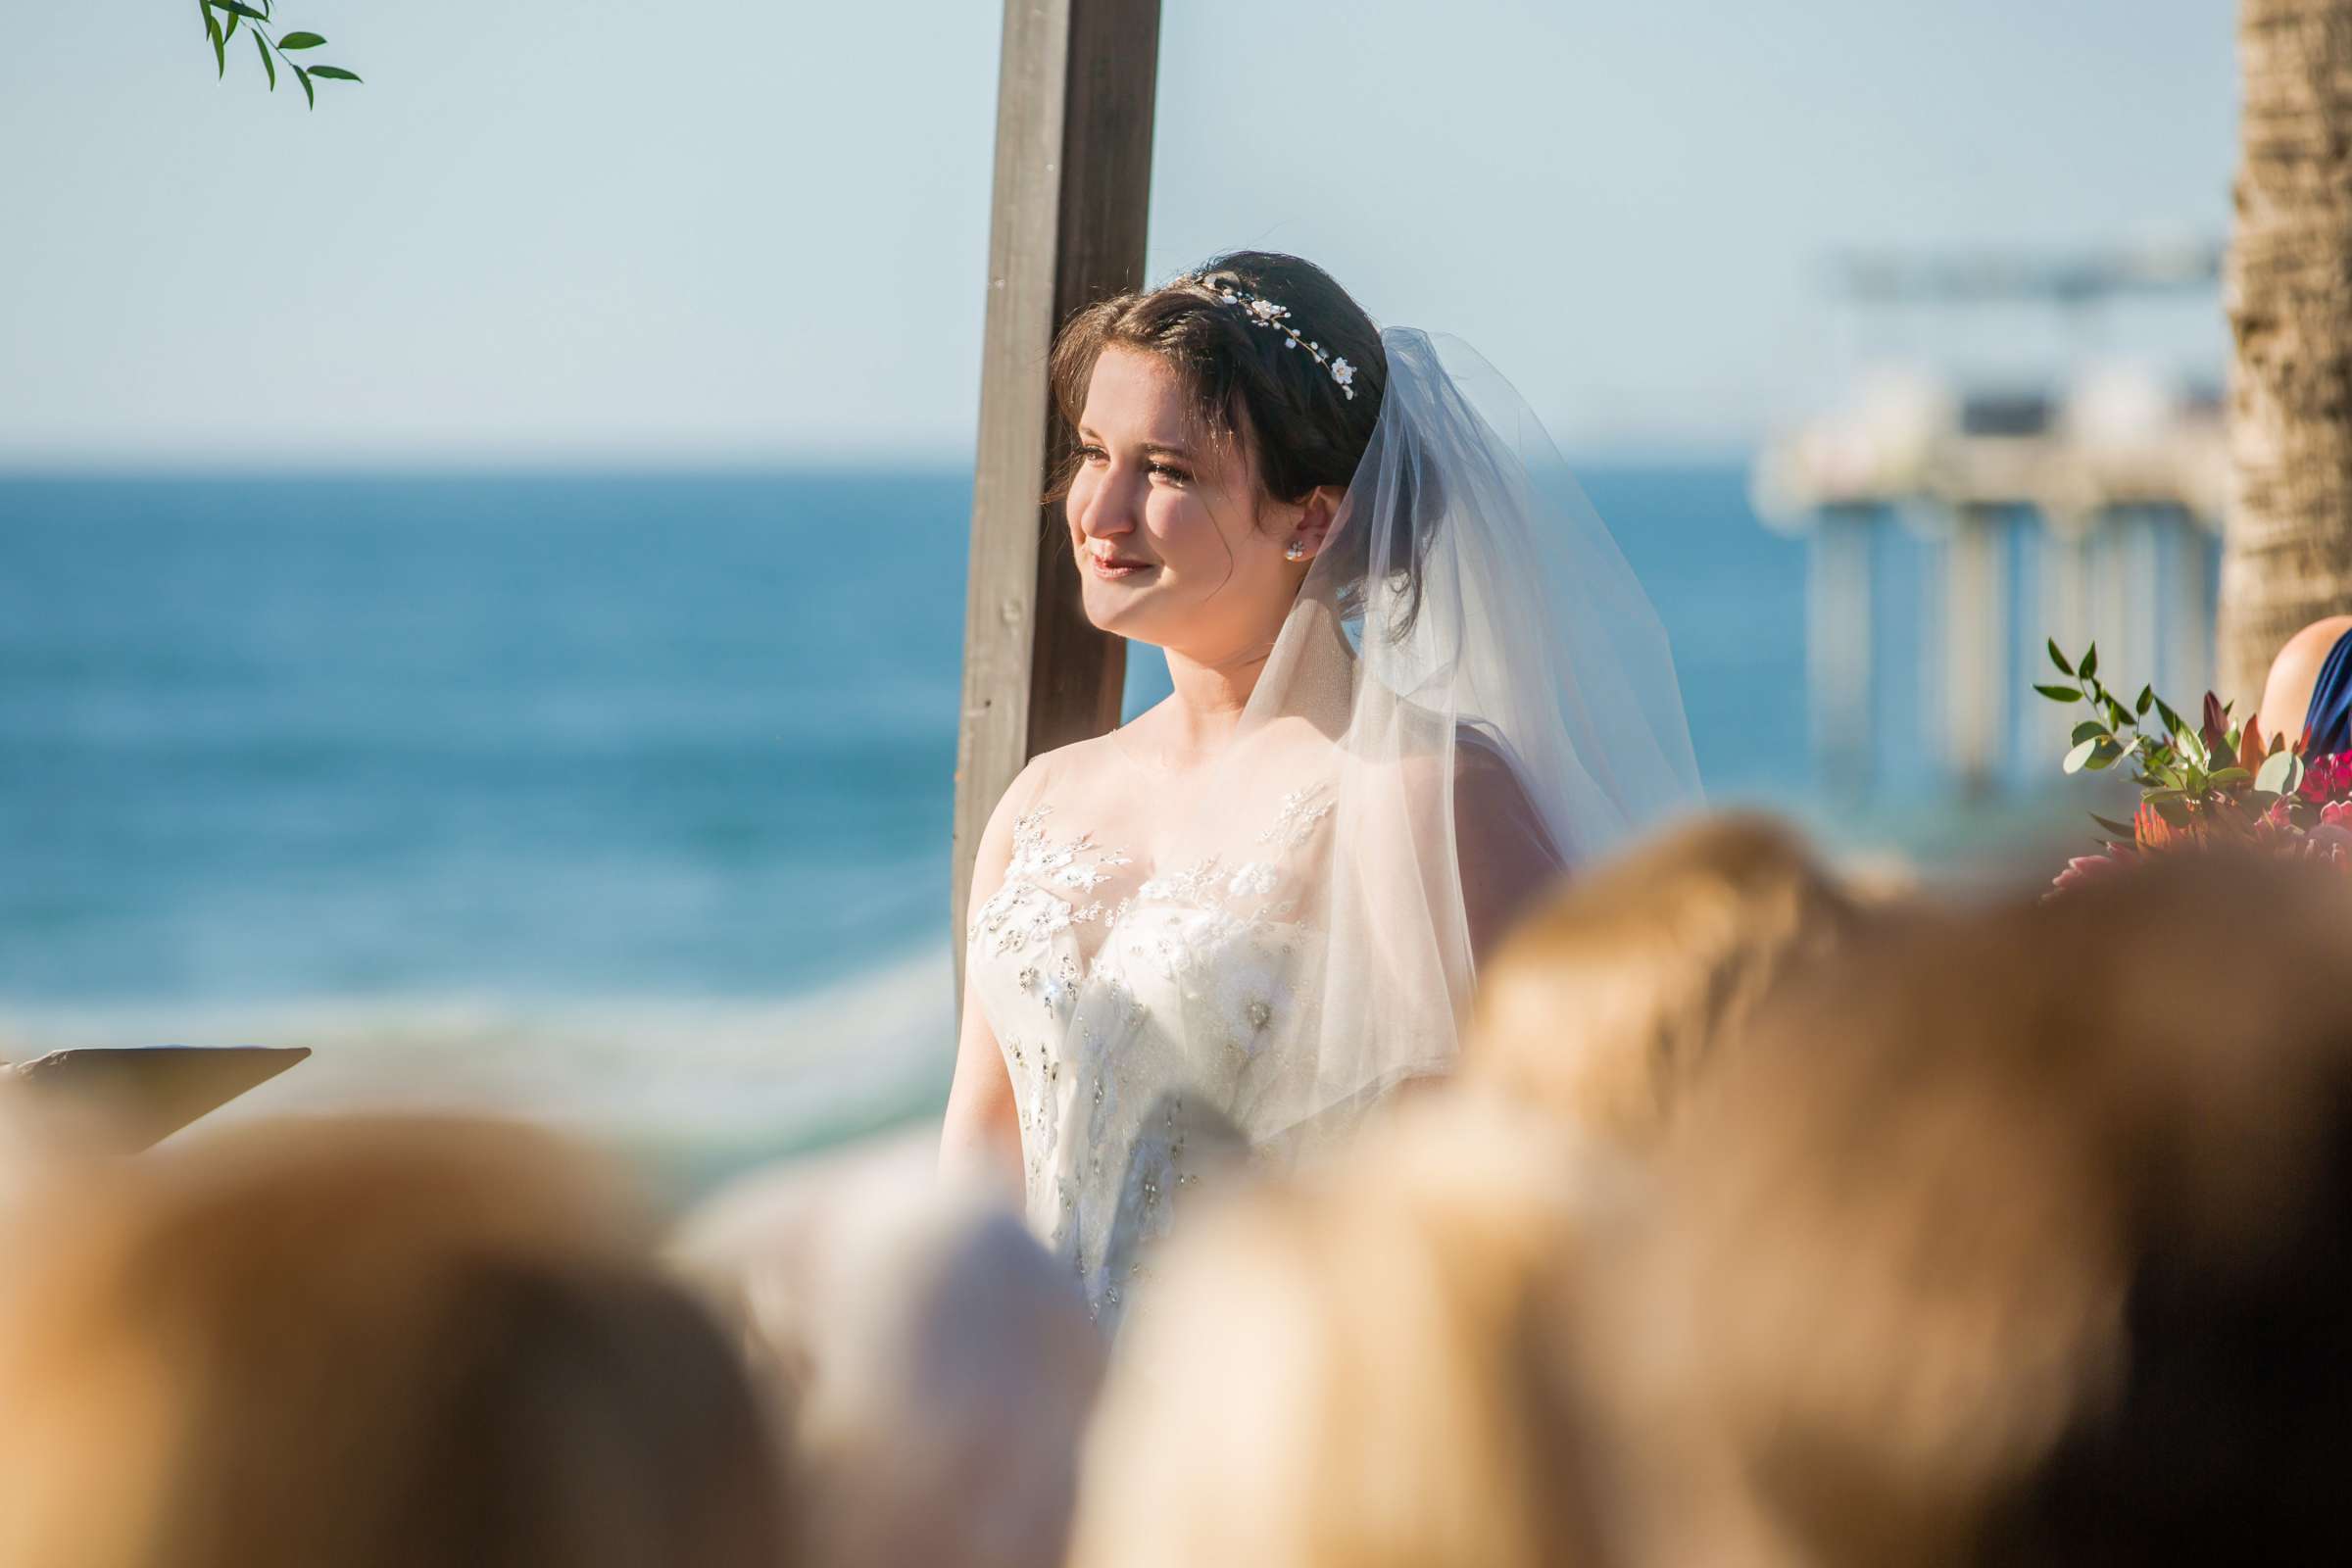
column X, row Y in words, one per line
column 1491, row 697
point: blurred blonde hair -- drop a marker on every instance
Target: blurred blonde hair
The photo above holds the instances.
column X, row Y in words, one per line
column 362, row 1342
column 1360, row 1370
column 2017, row 1235
column 1604, row 1005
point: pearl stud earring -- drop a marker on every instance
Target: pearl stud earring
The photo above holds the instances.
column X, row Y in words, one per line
column 1294, row 551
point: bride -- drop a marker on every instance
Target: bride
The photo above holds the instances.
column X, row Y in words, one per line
column 1413, row 681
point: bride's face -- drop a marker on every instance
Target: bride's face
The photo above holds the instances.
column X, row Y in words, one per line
column 1176, row 545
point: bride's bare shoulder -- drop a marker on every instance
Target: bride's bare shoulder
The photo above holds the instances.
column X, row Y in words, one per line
column 1094, row 756
column 1076, row 762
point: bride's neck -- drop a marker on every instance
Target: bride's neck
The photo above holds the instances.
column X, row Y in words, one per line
column 1209, row 698
column 1210, row 694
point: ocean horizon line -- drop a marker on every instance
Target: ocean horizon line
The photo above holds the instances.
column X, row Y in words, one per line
column 179, row 467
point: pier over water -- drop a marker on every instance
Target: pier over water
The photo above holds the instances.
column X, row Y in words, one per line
column 1955, row 522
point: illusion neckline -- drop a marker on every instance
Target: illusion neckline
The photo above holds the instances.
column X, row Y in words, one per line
column 1128, row 753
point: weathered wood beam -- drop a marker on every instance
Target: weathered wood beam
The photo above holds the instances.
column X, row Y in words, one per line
column 1073, row 176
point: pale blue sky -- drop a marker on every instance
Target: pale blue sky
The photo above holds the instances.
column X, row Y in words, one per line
column 548, row 230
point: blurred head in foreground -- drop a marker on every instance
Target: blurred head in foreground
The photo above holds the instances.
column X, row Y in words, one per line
column 1605, row 1006
column 361, row 1343
column 2019, row 1237
column 1361, row 1371
column 947, row 1402
column 938, row 1363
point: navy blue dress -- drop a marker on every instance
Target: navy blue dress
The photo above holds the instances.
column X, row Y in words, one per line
column 2329, row 718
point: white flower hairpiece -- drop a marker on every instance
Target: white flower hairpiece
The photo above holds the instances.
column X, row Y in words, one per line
column 1263, row 312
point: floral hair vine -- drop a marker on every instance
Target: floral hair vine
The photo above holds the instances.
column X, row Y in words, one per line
column 1263, row 312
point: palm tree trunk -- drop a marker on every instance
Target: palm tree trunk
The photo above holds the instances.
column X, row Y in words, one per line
column 2288, row 290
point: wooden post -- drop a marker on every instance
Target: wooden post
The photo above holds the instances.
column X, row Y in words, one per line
column 1073, row 178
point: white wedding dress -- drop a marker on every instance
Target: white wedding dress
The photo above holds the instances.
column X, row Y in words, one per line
column 1147, row 1013
column 1187, row 970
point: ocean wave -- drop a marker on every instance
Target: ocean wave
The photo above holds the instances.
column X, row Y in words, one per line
column 780, row 1072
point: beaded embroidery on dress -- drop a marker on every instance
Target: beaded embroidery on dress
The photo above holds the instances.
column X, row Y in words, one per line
column 1140, row 1029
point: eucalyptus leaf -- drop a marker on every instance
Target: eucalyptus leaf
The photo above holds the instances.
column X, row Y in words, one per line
column 2090, row 661
column 2088, row 729
column 2120, row 829
column 238, row 8
column 2060, row 694
column 229, row 32
column 2281, row 772
column 2080, row 757
column 2103, row 755
column 301, row 40
column 2147, row 699
column 2059, row 659
column 304, row 76
column 212, row 25
column 2227, row 777
column 268, row 64
column 335, row 73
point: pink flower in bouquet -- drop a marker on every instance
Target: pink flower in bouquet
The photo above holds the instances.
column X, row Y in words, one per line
column 2327, row 778
column 2324, row 780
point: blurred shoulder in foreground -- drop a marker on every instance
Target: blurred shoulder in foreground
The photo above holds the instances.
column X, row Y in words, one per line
column 2292, row 697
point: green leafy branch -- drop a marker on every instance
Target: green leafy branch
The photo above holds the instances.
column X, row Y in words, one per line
column 2179, row 768
column 274, row 51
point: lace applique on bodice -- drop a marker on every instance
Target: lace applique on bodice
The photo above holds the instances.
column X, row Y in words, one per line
column 1139, row 1016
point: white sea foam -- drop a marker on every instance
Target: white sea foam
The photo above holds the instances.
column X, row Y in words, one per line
column 694, row 1071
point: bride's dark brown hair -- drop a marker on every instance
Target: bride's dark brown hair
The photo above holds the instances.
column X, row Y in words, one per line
column 1249, row 385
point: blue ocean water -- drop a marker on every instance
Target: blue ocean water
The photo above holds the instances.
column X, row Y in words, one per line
column 628, row 793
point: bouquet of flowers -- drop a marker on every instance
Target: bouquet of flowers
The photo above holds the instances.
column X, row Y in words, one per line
column 2216, row 782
